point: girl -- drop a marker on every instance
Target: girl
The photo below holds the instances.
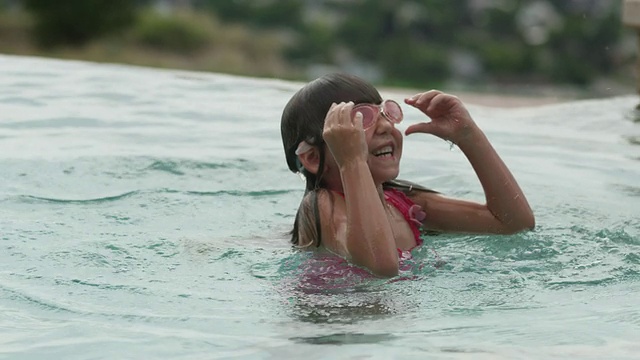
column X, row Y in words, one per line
column 340, row 134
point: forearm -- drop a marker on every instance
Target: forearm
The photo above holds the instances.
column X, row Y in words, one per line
column 505, row 200
column 370, row 241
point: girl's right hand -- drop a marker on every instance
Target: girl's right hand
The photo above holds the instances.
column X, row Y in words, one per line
column 345, row 135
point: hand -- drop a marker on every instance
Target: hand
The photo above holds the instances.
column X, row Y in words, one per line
column 344, row 135
column 450, row 120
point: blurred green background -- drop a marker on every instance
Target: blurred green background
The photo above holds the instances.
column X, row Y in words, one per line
column 480, row 45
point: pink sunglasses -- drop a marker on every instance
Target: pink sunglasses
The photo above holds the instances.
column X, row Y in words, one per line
column 390, row 110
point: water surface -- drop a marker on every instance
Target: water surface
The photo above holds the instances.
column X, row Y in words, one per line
column 143, row 215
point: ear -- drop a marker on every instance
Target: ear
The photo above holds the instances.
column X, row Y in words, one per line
column 311, row 160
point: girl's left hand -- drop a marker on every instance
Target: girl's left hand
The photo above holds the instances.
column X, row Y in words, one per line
column 450, row 120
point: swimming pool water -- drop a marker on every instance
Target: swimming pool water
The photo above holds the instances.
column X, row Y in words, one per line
column 143, row 214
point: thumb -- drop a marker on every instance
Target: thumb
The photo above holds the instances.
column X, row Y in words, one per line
column 423, row 127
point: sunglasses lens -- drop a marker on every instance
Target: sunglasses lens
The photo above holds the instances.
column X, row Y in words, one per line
column 393, row 111
column 369, row 114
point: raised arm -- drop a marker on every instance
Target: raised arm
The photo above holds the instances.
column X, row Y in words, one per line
column 356, row 226
column 506, row 209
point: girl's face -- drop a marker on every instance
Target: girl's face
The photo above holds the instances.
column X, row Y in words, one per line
column 385, row 150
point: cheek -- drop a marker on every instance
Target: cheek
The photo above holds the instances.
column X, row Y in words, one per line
column 368, row 135
column 399, row 140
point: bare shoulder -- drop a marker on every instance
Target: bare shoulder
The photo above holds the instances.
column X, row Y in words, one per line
column 322, row 221
column 333, row 220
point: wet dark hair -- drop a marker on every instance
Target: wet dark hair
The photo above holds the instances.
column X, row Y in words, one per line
column 303, row 116
column 303, row 120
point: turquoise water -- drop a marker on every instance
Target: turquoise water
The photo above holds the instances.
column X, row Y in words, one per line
column 143, row 215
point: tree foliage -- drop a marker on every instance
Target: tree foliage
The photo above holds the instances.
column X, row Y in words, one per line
column 409, row 42
column 416, row 41
column 75, row 22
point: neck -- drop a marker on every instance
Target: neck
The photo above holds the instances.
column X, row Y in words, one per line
column 337, row 187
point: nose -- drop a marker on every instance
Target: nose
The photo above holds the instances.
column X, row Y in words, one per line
column 383, row 124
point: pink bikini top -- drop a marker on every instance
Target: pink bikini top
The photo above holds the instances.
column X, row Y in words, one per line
column 412, row 213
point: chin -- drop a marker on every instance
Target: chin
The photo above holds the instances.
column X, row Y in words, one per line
column 383, row 176
column 384, row 169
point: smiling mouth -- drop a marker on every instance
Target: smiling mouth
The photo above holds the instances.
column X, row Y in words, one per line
column 383, row 152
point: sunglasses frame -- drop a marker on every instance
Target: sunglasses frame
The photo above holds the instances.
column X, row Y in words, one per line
column 380, row 109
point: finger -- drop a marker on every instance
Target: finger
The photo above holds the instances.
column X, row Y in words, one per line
column 437, row 102
column 331, row 109
column 338, row 111
column 427, row 98
column 357, row 121
column 344, row 114
column 440, row 100
column 329, row 119
column 423, row 127
column 348, row 108
column 423, row 98
column 413, row 98
column 336, row 114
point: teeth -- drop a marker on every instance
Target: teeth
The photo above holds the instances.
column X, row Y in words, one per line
column 384, row 150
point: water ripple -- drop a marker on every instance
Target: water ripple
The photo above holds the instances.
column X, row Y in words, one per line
column 628, row 189
column 259, row 193
column 559, row 284
column 31, row 198
column 103, row 286
column 21, row 101
column 39, row 302
column 56, row 123
column 98, row 200
column 178, row 167
column 344, row 339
